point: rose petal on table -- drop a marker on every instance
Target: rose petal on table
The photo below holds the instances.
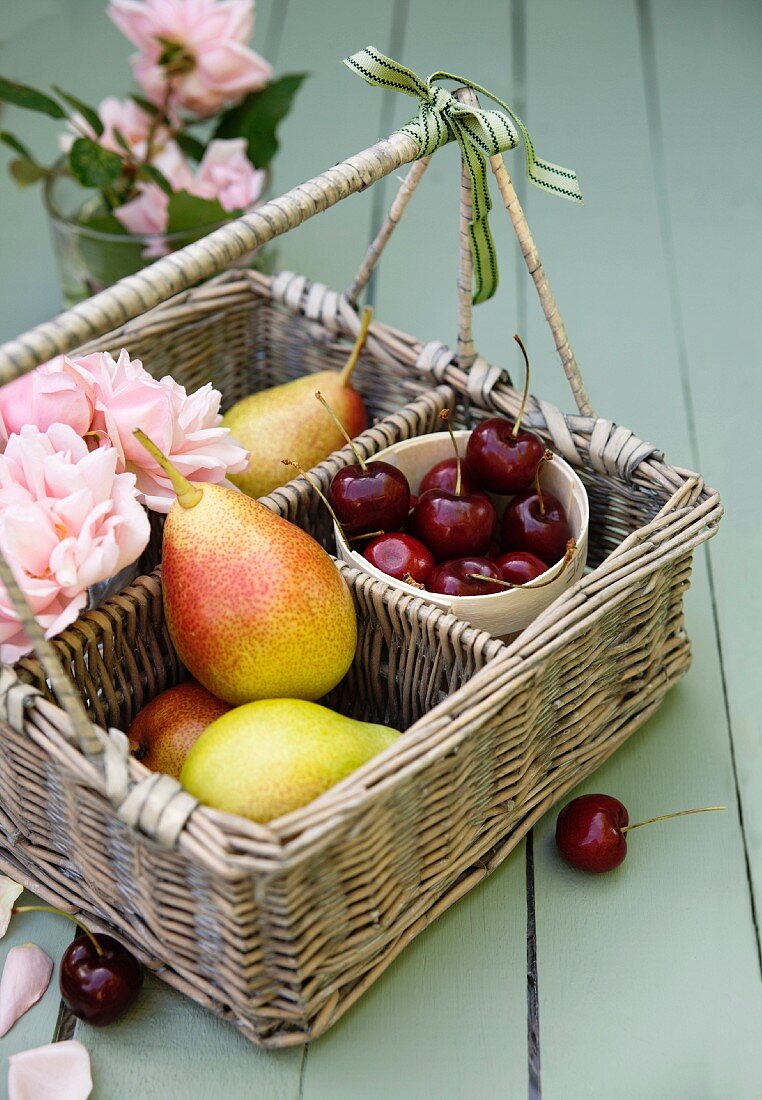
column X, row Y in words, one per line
column 58, row 1071
column 26, row 976
column 9, row 893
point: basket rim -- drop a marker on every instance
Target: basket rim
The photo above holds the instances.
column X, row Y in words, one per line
column 233, row 846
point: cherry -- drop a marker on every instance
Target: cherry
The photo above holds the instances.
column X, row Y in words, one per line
column 373, row 496
column 400, row 556
column 591, row 831
column 99, row 979
column 445, row 475
column 501, row 456
column 519, row 566
column 535, row 521
column 450, row 522
column 458, row 578
column 451, row 525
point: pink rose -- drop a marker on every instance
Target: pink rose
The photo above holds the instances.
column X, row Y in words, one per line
column 124, row 115
column 226, row 173
column 43, row 397
column 67, row 520
column 203, row 42
column 147, row 215
column 185, row 427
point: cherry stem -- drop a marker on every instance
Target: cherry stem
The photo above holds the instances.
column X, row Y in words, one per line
column 320, row 493
column 525, row 395
column 547, row 456
column 60, row 913
column 342, row 429
column 666, row 817
column 366, row 535
column 354, row 355
column 407, row 579
column 188, row 495
column 444, row 416
column 571, row 546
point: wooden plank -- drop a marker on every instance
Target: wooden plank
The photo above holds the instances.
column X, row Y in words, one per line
column 712, row 238
column 52, row 934
column 648, row 976
column 448, row 1020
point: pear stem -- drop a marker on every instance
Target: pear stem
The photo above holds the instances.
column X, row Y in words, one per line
column 60, row 913
column 666, row 817
column 354, row 355
column 522, row 406
column 188, row 495
column 444, row 416
column 571, row 546
column 320, row 493
column 547, row 456
column 342, row 429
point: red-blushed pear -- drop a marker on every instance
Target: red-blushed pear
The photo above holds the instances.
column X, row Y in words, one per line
column 255, row 607
column 162, row 733
column 285, row 420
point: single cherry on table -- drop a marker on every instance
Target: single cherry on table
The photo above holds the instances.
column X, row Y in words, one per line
column 591, row 831
column 99, row 979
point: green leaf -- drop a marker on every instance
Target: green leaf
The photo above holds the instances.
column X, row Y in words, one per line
column 22, row 96
column 121, row 140
column 144, row 104
column 26, row 171
column 93, row 165
column 191, row 146
column 14, row 144
column 256, row 118
column 153, row 173
column 88, row 114
column 188, row 211
column 105, row 223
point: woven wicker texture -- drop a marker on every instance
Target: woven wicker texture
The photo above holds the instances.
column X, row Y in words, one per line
column 279, row 928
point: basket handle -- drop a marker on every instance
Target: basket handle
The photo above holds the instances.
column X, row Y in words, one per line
column 529, row 250
column 138, row 293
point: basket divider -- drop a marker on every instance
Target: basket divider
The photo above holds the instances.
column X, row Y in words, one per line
column 396, row 210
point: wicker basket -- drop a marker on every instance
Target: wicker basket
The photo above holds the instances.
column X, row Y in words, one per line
column 280, row 928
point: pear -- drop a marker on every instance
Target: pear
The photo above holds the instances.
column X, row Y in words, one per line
column 268, row 758
column 255, row 607
column 162, row 733
column 285, row 421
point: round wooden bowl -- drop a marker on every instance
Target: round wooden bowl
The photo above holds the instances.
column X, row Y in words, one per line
column 504, row 612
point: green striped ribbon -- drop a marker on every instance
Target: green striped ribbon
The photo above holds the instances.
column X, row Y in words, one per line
column 480, row 134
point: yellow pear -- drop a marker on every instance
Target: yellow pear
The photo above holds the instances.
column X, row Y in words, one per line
column 255, row 606
column 287, row 422
column 268, row 758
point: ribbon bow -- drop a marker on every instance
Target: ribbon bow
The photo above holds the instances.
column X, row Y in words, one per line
column 480, row 134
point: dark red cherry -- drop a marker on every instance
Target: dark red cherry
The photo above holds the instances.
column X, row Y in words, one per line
column 445, row 475
column 451, row 578
column 375, row 497
column 99, row 988
column 499, row 461
column 452, row 526
column 526, row 527
column 519, row 566
column 589, row 832
column 400, row 556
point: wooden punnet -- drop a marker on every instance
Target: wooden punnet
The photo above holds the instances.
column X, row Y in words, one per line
column 278, row 928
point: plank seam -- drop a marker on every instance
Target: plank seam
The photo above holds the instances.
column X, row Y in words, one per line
column 533, row 1003
column 658, row 164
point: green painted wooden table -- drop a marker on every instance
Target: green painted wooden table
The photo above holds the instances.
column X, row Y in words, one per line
column 648, row 978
